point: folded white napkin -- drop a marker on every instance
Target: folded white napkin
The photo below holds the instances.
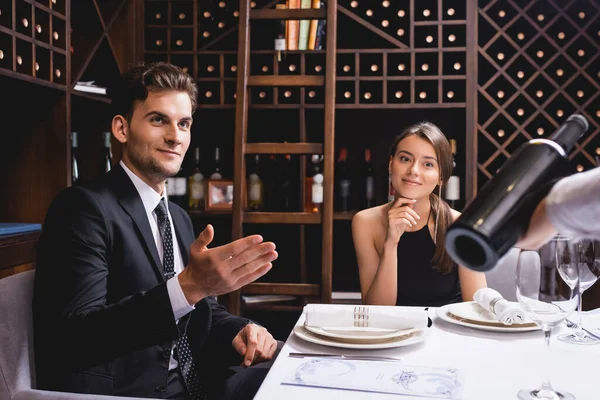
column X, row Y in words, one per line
column 508, row 312
column 384, row 317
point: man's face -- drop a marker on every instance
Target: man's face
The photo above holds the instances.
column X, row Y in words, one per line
column 158, row 135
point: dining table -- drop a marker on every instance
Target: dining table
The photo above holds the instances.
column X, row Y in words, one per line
column 493, row 364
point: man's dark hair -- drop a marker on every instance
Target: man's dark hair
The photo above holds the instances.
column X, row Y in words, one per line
column 143, row 78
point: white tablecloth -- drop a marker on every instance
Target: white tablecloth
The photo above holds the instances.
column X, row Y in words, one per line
column 496, row 365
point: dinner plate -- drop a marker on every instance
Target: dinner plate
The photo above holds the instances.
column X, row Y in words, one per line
column 445, row 314
column 356, row 333
column 413, row 337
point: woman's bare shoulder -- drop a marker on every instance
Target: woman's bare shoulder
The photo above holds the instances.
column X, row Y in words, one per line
column 370, row 215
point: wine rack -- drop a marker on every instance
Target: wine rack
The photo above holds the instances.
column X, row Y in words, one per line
column 33, row 41
column 424, row 44
column 538, row 64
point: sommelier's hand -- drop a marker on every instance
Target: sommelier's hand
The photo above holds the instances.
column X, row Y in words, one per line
column 400, row 217
column 224, row 269
column 255, row 344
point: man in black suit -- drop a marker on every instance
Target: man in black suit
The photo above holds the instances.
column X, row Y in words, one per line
column 124, row 296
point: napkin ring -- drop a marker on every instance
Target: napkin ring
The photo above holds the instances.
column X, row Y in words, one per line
column 361, row 316
column 493, row 304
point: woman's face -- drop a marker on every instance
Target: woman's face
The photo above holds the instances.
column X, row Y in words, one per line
column 414, row 168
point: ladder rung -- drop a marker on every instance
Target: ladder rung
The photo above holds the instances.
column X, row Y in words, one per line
column 284, row 148
column 281, row 218
column 295, row 289
column 308, row 13
column 286, row 80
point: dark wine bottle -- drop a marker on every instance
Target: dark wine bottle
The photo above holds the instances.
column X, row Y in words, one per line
column 74, row 159
column 495, row 220
column 369, row 180
column 343, row 182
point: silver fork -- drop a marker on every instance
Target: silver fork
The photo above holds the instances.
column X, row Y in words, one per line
column 343, row 356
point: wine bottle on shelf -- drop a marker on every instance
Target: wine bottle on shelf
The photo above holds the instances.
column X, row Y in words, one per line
column 452, row 192
column 284, row 188
column 343, row 186
column 107, row 151
column 270, row 182
column 313, row 193
column 369, row 180
column 177, row 189
column 74, row 159
column 216, row 172
column 280, row 44
column 196, row 184
column 255, row 186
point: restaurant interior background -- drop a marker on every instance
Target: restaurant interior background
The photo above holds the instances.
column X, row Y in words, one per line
column 491, row 74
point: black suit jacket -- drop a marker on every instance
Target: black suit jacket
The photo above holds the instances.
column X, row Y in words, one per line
column 103, row 321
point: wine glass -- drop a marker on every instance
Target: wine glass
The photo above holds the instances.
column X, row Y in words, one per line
column 547, row 299
column 588, row 263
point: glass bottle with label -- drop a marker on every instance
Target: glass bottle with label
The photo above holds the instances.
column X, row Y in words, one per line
column 107, row 151
column 313, row 201
column 74, row 160
column 196, row 184
column 255, row 186
column 216, row 173
column 369, row 180
column 343, row 185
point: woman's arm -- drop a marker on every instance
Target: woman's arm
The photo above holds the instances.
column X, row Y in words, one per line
column 378, row 275
column 470, row 281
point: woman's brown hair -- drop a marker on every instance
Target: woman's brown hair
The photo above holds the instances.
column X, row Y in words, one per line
column 440, row 209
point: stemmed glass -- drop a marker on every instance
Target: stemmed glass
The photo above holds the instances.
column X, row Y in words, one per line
column 546, row 298
column 588, row 254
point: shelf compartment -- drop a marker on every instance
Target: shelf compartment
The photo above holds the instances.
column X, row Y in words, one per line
column 42, row 26
column 276, row 80
column 59, row 33
column 294, row 289
column 156, row 13
column 6, row 15
column 59, row 66
column 182, row 39
column 281, row 218
column 185, row 61
column 6, row 51
column 308, row 13
column 23, row 18
column 42, row 63
column 284, row 148
column 182, row 13
column 23, row 57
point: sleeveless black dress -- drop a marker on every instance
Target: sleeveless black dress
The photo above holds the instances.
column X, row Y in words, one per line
column 419, row 283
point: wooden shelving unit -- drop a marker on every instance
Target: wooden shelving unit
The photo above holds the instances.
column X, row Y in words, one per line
column 38, row 71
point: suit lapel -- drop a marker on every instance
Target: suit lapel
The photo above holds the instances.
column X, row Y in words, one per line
column 131, row 202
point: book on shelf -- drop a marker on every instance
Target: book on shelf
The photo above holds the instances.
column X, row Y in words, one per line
column 293, row 27
column 90, row 87
column 312, row 30
column 304, row 34
column 304, row 27
column 13, row 228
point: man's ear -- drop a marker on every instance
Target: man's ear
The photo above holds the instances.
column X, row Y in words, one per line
column 120, row 128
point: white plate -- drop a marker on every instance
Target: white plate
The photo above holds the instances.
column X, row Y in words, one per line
column 305, row 334
column 356, row 333
column 442, row 313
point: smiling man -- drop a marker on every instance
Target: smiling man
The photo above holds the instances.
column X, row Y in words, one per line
column 124, row 294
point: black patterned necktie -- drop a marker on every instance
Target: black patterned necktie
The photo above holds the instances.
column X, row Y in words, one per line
column 182, row 348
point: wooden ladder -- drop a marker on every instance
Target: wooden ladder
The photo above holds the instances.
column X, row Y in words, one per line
column 242, row 147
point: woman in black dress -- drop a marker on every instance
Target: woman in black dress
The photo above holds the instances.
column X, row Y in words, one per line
column 400, row 245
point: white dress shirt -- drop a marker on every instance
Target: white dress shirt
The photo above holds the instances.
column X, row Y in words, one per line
column 150, row 199
column 573, row 204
